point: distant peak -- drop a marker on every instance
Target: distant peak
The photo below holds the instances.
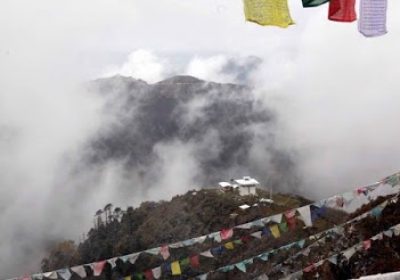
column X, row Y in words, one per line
column 181, row 79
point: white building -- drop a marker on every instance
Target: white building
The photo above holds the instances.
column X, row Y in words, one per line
column 247, row 185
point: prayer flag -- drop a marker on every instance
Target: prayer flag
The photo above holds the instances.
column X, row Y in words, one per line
column 98, row 267
column 156, row 272
column 290, row 214
column 184, row 262
column 51, row 275
column 226, row 234
column 149, row 274
column 376, row 212
column 388, row 233
column 241, row 266
column 195, row 261
column 283, row 227
column 257, row 234
column 264, row 257
column 227, row 268
column 64, row 273
column 238, row 242
column 80, row 270
column 342, row 10
column 266, row 232
column 305, row 215
column 138, row 276
column 176, row 268
column 112, row 262
column 37, row 276
column 349, row 253
column 277, row 218
column 207, row 254
column 301, row 243
column 217, row 250
column 268, row 12
column 164, row 251
column 372, row 20
column 309, row 268
column 229, row 246
column 313, row 3
column 367, row 244
column 275, row 231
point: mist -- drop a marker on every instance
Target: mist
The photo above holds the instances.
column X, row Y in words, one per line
column 333, row 94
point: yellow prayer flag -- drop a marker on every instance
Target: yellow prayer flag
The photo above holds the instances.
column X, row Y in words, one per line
column 229, row 246
column 127, row 278
column 176, row 268
column 275, row 231
column 268, row 12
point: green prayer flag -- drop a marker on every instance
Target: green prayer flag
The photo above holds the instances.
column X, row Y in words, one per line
column 238, row 242
column 313, row 3
column 283, row 227
column 185, row 262
column 138, row 276
column 241, row 266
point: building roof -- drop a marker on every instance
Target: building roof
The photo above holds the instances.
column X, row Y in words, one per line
column 247, row 181
column 224, row 184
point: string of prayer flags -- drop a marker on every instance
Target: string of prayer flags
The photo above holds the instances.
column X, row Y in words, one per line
column 268, row 12
column 313, row 3
column 176, row 268
column 98, row 267
column 342, row 10
column 226, row 234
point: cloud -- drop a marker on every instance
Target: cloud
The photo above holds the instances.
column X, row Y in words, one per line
column 144, row 65
column 223, row 68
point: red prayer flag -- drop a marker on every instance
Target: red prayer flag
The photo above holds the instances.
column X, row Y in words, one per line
column 164, row 251
column 342, row 10
column 367, row 244
column 149, row 274
column 291, row 223
column 290, row 214
column 245, row 238
column 98, row 267
column 226, row 233
column 195, row 261
column 309, row 268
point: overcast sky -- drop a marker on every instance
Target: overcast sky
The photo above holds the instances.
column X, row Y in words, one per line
column 336, row 93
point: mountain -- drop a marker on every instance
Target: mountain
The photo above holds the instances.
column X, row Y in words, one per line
column 222, row 130
column 124, row 231
column 195, row 213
